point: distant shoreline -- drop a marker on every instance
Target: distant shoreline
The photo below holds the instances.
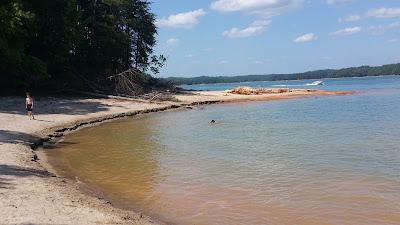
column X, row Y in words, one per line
column 30, row 193
column 328, row 78
column 361, row 71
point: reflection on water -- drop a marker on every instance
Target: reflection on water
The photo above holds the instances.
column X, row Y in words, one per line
column 327, row 160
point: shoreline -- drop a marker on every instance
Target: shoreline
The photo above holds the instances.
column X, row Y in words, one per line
column 326, row 78
column 32, row 194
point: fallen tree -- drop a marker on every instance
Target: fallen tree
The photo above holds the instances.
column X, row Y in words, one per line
column 131, row 84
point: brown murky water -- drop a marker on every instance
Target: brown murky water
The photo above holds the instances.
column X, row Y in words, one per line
column 259, row 164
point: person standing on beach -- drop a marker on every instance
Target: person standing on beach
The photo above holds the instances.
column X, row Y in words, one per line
column 29, row 106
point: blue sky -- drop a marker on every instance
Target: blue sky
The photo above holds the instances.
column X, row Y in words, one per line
column 239, row 37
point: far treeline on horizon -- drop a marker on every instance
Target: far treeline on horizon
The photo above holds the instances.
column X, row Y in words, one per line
column 362, row 71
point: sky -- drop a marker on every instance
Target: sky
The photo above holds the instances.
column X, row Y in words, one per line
column 242, row 37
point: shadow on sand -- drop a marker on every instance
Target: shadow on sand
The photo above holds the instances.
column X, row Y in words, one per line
column 15, row 137
column 17, row 171
column 9, row 172
column 49, row 105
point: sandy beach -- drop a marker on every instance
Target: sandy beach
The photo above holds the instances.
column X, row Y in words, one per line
column 30, row 194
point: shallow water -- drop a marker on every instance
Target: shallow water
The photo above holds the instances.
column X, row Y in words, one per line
column 318, row 160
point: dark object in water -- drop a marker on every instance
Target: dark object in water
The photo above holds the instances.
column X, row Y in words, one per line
column 212, row 121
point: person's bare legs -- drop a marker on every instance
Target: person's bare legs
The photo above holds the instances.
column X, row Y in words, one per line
column 30, row 114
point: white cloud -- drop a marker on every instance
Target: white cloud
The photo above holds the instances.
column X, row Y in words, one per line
column 306, row 38
column 172, row 42
column 394, row 25
column 265, row 8
column 349, row 18
column 381, row 29
column 384, row 12
column 393, row 40
column 221, row 62
column 258, row 62
column 256, row 28
column 347, row 31
column 334, row 2
column 182, row 20
column 189, row 56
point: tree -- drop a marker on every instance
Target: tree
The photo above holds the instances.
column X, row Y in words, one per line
column 15, row 64
column 53, row 34
column 65, row 42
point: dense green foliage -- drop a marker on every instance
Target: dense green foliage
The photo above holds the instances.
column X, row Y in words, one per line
column 68, row 43
column 392, row 69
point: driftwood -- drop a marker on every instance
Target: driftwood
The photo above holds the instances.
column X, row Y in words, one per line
column 258, row 91
column 112, row 96
column 147, row 98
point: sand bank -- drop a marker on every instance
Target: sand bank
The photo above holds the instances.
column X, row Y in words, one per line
column 31, row 195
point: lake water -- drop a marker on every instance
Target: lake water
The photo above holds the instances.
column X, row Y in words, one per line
column 353, row 83
column 317, row 160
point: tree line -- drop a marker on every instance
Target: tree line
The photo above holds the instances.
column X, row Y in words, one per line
column 70, row 43
column 390, row 69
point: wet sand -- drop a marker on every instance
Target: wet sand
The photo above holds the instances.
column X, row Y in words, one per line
column 30, row 194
